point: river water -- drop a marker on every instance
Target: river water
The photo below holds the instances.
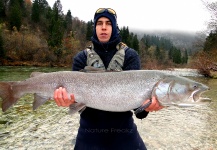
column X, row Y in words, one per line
column 50, row 127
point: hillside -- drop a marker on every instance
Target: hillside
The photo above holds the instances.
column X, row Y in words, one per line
column 181, row 40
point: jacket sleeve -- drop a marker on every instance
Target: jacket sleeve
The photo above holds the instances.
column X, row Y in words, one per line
column 79, row 61
column 132, row 62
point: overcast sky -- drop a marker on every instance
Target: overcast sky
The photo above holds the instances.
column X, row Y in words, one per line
column 179, row 15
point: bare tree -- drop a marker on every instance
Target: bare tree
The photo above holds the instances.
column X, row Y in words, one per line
column 212, row 8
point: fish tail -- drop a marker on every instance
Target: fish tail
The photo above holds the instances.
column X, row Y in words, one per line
column 7, row 94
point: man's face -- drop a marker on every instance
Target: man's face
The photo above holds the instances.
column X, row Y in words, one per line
column 103, row 29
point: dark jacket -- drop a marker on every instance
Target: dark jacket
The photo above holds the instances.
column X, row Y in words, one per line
column 102, row 129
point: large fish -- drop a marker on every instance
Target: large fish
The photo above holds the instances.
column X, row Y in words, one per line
column 109, row 91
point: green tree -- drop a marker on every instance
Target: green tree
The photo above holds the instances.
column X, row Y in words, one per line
column 56, row 27
column 157, row 54
column 146, row 40
column 177, row 57
column 2, row 10
column 171, row 53
column 135, row 43
column 39, row 10
column 68, row 20
column 23, row 7
column 2, row 51
column 35, row 11
column 89, row 32
column 185, row 57
column 211, row 41
column 15, row 14
column 124, row 32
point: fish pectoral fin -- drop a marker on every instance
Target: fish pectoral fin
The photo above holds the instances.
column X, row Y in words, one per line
column 38, row 100
column 76, row 107
column 185, row 105
column 143, row 107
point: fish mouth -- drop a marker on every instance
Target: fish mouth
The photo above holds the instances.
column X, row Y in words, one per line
column 197, row 97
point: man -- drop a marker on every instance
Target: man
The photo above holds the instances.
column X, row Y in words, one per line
column 102, row 129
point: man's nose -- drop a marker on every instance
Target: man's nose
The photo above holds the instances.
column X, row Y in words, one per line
column 103, row 25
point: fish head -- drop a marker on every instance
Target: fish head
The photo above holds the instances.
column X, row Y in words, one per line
column 180, row 91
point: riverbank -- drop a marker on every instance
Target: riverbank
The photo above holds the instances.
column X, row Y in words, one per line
column 32, row 64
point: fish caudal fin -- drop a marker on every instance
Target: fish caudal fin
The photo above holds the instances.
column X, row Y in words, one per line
column 7, row 94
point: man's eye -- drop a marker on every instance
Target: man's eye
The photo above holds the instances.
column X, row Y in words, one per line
column 99, row 23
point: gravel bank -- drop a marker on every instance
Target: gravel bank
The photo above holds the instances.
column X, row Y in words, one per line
column 171, row 128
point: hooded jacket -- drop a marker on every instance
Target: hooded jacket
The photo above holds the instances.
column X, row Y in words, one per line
column 102, row 129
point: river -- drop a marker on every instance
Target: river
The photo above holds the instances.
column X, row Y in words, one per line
column 50, row 127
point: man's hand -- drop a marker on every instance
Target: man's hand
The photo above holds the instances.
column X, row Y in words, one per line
column 154, row 106
column 61, row 97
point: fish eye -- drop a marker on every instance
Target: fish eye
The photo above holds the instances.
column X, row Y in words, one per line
column 195, row 86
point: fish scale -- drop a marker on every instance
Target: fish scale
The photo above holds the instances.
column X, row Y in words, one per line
column 109, row 91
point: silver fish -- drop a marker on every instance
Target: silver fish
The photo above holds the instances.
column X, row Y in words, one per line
column 109, row 91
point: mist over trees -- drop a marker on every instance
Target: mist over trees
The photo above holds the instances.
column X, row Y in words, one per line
column 34, row 33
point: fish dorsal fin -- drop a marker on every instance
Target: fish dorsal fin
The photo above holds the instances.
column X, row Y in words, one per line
column 91, row 69
column 34, row 74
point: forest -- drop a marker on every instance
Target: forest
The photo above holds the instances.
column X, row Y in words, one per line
column 36, row 34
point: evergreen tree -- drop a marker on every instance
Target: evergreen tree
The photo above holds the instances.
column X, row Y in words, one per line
column 15, row 14
column 23, row 7
column 89, row 30
column 129, row 41
column 56, row 27
column 177, row 57
column 35, row 11
column 157, row 53
column 68, row 20
column 147, row 41
column 135, row 43
column 211, row 41
column 171, row 52
column 124, row 32
column 2, row 51
column 161, row 42
column 185, row 57
column 2, row 11
column 39, row 10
